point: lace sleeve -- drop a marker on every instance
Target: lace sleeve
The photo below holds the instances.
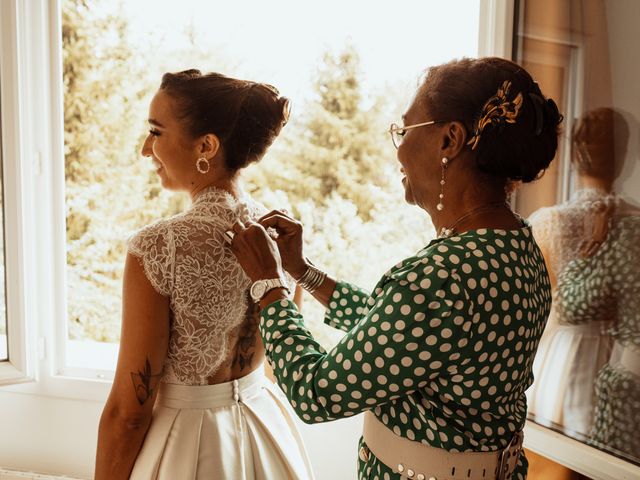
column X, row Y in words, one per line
column 154, row 246
column 542, row 223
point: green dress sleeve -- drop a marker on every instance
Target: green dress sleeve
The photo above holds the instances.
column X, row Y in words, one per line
column 347, row 306
column 416, row 329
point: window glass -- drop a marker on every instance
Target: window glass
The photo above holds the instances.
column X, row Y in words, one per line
column 333, row 166
column 585, row 215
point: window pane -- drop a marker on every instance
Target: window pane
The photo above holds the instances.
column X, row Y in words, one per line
column 586, row 218
column 333, row 166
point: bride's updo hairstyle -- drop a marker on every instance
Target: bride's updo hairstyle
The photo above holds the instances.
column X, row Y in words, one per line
column 599, row 140
column 245, row 116
column 511, row 126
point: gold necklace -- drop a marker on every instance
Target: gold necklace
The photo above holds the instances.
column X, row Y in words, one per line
column 447, row 232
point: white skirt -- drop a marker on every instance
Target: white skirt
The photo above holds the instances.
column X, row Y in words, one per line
column 568, row 360
column 243, row 429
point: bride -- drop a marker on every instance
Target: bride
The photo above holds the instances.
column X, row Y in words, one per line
column 190, row 398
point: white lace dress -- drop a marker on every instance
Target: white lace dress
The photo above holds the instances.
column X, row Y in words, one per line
column 577, row 342
column 242, row 429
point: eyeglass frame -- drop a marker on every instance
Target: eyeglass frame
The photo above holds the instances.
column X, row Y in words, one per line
column 395, row 128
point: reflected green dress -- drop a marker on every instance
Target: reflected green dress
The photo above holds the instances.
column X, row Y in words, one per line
column 441, row 351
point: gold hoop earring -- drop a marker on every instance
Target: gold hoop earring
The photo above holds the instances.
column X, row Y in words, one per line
column 440, row 205
column 202, row 164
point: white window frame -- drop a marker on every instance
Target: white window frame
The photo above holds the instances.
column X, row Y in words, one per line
column 19, row 367
column 33, row 155
column 37, row 84
column 496, row 36
column 32, row 152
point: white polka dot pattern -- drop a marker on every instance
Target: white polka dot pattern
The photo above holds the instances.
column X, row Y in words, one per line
column 441, row 350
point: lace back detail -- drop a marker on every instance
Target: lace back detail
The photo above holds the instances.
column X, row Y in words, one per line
column 601, row 286
column 186, row 258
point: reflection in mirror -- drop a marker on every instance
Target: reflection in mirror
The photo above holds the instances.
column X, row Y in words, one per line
column 3, row 316
column 588, row 242
column 586, row 219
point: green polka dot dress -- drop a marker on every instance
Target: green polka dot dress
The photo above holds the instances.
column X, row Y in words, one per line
column 441, row 351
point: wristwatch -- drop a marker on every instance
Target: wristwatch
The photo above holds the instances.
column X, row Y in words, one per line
column 259, row 288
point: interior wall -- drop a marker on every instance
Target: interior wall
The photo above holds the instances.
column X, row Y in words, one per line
column 565, row 45
column 623, row 18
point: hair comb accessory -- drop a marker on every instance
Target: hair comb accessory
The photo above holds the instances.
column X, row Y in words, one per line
column 497, row 111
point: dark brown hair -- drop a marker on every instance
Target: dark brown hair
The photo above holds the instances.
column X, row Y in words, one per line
column 458, row 90
column 599, row 139
column 245, row 116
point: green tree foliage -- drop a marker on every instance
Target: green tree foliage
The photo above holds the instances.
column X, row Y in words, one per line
column 334, row 168
column 337, row 145
column 110, row 189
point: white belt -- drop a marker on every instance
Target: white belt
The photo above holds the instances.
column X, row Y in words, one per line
column 629, row 357
column 415, row 460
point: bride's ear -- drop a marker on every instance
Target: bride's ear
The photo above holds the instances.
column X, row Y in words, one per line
column 209, row 146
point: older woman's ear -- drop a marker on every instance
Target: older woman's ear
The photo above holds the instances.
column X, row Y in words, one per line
column 454, row 139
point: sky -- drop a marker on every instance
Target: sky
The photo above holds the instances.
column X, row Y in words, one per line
column 281, row 41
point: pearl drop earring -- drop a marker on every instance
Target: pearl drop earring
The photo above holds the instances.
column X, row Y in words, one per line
column 440, row 205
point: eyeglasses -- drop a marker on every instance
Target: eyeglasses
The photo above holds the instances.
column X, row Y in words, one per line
column 397, row 132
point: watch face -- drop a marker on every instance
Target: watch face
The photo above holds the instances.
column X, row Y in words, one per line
column 257, row 290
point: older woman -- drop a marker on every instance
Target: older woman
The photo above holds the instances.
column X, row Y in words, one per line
column 190, row 398
column 439, row 355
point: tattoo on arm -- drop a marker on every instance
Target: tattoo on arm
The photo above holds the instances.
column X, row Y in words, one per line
column 145, row 382
column 247, row 338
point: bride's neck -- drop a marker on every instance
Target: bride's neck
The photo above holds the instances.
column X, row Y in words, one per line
column 230, row 184
column 586, row 181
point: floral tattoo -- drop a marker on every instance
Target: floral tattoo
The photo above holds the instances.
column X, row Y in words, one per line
column 145, row 382
column 247, row 338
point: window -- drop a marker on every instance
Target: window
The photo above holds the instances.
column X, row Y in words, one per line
column 333, row 165
column 586, row 217
column 15, row 364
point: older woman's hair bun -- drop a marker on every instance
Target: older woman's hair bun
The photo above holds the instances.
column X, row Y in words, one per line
column 246, row 116
column 513, row 129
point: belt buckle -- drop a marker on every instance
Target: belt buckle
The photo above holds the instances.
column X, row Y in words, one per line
column 507, row 464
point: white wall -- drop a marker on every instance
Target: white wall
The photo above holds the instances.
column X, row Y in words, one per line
column 623, row 18
column 58, row 436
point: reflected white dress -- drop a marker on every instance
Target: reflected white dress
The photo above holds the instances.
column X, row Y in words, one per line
column 244, row 429
column 577, row 341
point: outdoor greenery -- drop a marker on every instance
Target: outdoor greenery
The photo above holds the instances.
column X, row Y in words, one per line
column 333, row 167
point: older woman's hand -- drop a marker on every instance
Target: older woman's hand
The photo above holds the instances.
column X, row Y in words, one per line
column 289, row 241
column 256, row 251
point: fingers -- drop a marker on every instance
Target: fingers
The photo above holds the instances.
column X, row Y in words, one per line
column 281, row 222
column 236, row 228
column 589, row 248
column 282, row 212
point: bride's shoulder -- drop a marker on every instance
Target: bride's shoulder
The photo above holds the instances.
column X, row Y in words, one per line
column 154, row 236
column 157, row 227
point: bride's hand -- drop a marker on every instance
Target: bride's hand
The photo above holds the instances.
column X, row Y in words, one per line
column 289, row 241
column 256, row 251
